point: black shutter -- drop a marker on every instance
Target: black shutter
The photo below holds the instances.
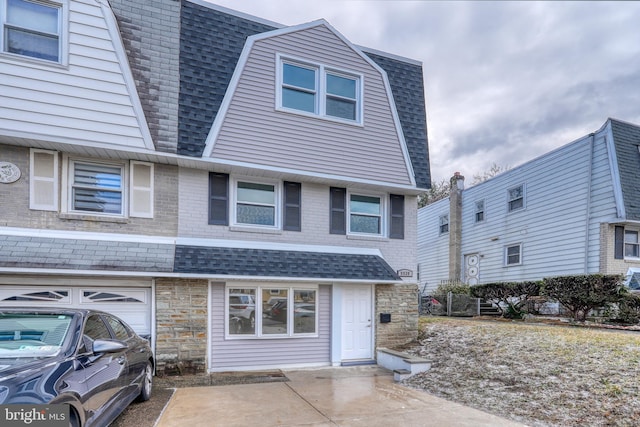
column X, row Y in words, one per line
column 619, row 242
column 338, row 210
column 396, row 227
column 292, row 204
column 218, row 198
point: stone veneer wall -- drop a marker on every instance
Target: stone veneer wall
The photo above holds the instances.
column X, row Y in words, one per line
column 181, row 326
column 401, row 301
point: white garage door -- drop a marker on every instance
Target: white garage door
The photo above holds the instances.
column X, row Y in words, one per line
column 133, row 305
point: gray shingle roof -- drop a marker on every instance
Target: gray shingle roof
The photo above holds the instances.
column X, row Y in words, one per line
column 211, row 42
column 77, row 254
column 281, row 263
column 626, row 139
column 408, row 93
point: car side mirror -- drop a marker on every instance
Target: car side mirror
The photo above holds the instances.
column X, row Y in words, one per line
column 108, row 346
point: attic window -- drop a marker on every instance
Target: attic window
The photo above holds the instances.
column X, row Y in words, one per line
column 317, row 90
column 33, row 29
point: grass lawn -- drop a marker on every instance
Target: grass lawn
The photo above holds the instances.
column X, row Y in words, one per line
column 535, row 374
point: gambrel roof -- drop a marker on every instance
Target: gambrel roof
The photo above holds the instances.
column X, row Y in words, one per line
column 212, row 41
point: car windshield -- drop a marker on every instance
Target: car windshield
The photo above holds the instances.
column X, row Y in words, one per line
column 32, row 335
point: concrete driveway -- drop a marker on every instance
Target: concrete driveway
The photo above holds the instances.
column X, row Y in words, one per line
column 345, row 396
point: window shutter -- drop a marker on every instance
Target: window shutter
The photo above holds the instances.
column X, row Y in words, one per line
column 396, row 228
column 43, row 180
column 619, row 242
column 218, row 198
column 338, row 210
column 141, row 190
column 292, row 206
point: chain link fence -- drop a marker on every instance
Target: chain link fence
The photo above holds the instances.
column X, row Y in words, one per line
column 449, row 304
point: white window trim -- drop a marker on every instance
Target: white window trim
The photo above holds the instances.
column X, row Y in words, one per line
column 63, row 32
column 384, row 213
column 440, row 224
column 524, row 198
column 624, row 244
column 233, row 196
column 506, row 254
column 67, row 181
column 476, row 211
column 321, row 90
column 257, row 335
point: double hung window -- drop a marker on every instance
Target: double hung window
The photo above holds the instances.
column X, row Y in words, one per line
column 256, row 204
column 365, row 214
column 479, row 213
column 320, row 91
column 271, row 311
column 513, row 254
column 631, row 244
column 443, row 224
column 516, row 198
column 33, row 29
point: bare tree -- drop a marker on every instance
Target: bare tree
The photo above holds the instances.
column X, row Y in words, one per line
column 440, row 190
column 494, row 170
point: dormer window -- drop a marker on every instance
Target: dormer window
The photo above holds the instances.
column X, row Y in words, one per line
column 319, row 91
column 33, row 29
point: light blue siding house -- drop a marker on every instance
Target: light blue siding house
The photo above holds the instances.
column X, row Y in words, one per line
column 574, row 210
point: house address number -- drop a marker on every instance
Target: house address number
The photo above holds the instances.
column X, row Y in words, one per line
column 405, row 273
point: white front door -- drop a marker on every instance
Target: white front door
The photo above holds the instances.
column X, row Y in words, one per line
column 357, row 322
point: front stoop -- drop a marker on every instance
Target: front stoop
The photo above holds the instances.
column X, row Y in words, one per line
column 403, row 365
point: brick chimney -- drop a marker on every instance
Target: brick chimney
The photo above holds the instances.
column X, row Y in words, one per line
column 455, row 227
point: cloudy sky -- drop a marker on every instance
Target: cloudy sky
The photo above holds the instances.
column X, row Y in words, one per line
column 504, row 81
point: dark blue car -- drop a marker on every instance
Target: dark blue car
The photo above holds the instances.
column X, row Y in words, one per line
column 89, row 360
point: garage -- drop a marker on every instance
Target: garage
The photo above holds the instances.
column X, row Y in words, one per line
column 128, row 299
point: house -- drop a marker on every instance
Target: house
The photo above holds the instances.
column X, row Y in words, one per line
column 574, row 210
column 243, row 192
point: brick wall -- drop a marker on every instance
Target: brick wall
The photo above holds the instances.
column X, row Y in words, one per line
column 401, row 301
column 181, row 326
column 608, row 263
column 18, row 214
column 193, row 189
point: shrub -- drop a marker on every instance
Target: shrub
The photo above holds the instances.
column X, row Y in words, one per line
column 583, row 293
column 459, row 288
column 510, row 297
column 629, row 309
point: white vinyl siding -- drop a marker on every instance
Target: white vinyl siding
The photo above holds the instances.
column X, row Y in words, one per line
column 92, row 102
column 43, row 180
column 251, row 353
column 252, row 127
column 559, row 229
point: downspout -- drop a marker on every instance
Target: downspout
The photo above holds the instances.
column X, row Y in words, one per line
column 588, row 209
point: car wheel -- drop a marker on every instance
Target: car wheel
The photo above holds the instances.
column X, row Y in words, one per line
column 147, row 384
column 74, row 419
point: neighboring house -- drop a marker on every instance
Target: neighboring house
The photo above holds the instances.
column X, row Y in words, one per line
column 574, row 210
column 243, row 192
